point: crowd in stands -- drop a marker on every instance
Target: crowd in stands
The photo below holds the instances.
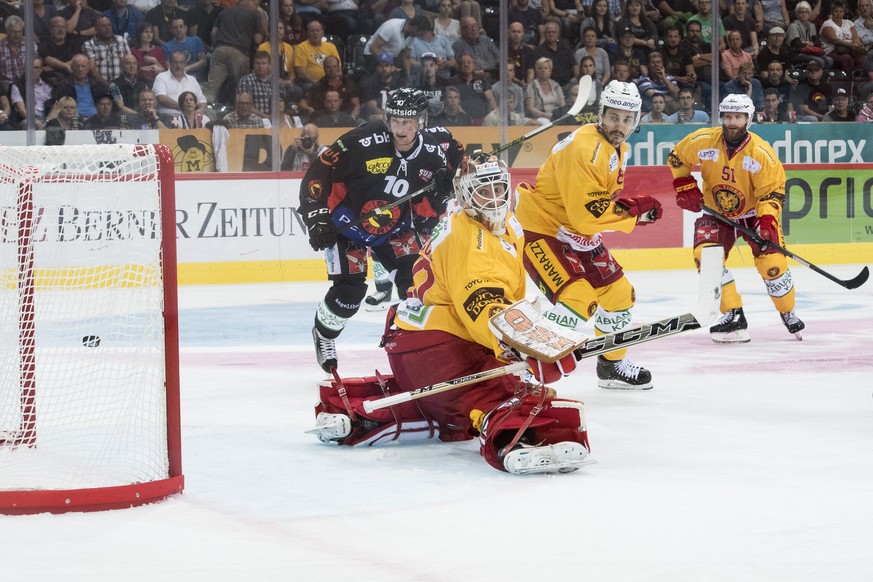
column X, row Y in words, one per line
column 189, row 63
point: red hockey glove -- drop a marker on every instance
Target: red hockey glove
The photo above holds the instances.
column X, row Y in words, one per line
column 645, row 208
column 548, row 373
column 768, row 230
column 688, row 195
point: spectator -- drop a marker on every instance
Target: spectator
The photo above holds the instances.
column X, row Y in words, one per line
column 678, row 62
column 634, row 56
column 866, row 113
column 289, row 116
column 521, row 54
column 741, row 20
column 493, row 118
column 291, row 24
column 774, row 51
column 452, row 114
column 840, row 39
column 190, row 115
column 310, row 9
column 479, row 46
column 105, row 51
column 621, row 71
column 864, row 24
column 867, row 87
column 590, row 110
column 675, row 13
column 734, row 56
column 43, row 14
column 342, row 17
column 332, row 115
column 124, row 19
column 162, row 18
column 42, row 93
column 465, row 8
column 57, row 52
column 169, row 85
column 569, row 13
column 531, row 20
column 12, row 50
column 390, row 38
column 602, row 23
column 125, row 87
column 476, row 96
column 840, row 110
column 191, row 46
column 633, row 18
column 80, row 22
column 303, row 151
column 7, row 122
column 333, row 80
column 103, row 117
column 558, row 50
column 426, row 42
column 775, row 14
column 309, row 56
column 745, row 83
column 64, row 115
column 516, row 88
column 702, row 59
column 686, row 112
column 598, row 55
column 259, row 85
column 243, row 117
column 150, row 60
column 657, row 114
column 406, row 10
column 201, row 19
column 82, row 87
column 803, row 40
column 704, row 18
column 772, row 112
column 812, row 95
column 286, row 64
column 234, row 32
column 147, row 116
column 376, row 89
column 542, row 95
column 657, row 81
column 444, row 24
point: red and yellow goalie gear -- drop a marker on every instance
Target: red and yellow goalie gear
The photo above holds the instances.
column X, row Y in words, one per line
column 752, row 181
column 576, row 188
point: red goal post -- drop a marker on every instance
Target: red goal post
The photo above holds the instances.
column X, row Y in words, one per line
column 89, row 360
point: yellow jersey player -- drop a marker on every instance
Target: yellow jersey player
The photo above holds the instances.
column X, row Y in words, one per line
column 578, row 196
column 745, row 181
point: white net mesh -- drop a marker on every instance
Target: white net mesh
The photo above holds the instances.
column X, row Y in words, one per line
column 82, row 358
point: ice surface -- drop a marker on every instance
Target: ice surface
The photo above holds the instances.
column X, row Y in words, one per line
column 746, row 462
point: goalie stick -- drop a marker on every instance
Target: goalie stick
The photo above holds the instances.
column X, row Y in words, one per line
column 521, row 326
column 586, row 86
column 853, row 283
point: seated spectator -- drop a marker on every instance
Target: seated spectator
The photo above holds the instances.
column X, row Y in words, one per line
column 290, row 24
column 621, row 71
column 602, row 22
column 493, row 118
column 530, row 19
column 775, row 13
column 259, row 84
column 634, row 18
column 772, row 112
column 521, row 54
column 105, row 51
column 150, row 59
column 775, row 79
column 634, row 56
column 43, row 13
column 190, row 114
column 57, row 52
column 803, row 41
column 741, row 20
column 840, row 39
column 480, row 47
column 426, row 42
column 702, row 59
column 864, row 24
column 746, row 84
column 162, row 18
column 657, row 114
column 80, row 21
column 286, row 63
column 589, row 48
column 42, row 93
column 376, row 89
column 124, row 19
column 686, row 112
column 840, row 110
column 191, row 46
column 734, row 56
column 657, row 81
column 774, row 51
column 243, row 117
column 64, row 115
column 333, row 80
column 331, row 115
column 12, row 50
column 170, row 84
column 866, row 113
column 543, row 95
column 82, row 87
column 444, row 24
column 476, row 96
column 452, row 114
column 104, row 118
column 703, row 17
column 516, row 88
column 309, row 56
column 147, row 115
column 569, row 13
column 125, row 87
column 304, row 150
column 406, row 9
column 812, row 95
column 6, row 120
column 559, row 51
column 590, row 110
column 678, row 62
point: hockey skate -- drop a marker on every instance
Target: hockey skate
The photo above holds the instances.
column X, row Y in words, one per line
column 325, row 351
column 732, row 328
column 793, row 323
column 380, row 300
column 563, row 457
column 622, row 375
column 331, row 427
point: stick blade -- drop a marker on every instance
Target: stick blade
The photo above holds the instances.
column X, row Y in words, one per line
column 586, row 85
column 859, row 280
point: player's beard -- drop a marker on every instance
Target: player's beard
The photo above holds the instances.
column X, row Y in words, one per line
column 733, row 134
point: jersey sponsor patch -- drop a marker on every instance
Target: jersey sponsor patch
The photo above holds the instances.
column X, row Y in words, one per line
column 547, row 264
column 709, row 154
column 597, row 207
column 481, row 300
column 751, row 164
column 613, row 162
column 378, row 165
column 425, row 174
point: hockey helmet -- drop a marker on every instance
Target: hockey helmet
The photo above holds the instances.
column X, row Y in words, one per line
column 738, row 103
column 482, row 190
column 407, row 102
column 621, row 95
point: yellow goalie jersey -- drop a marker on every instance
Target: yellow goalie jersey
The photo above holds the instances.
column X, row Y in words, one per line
column 465, row 275
column 751, row 182
column 574, row 197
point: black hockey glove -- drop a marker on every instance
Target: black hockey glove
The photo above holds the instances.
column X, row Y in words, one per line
column 322, row 232
column 444, row 183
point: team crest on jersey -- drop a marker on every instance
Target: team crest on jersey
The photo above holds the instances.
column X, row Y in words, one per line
column 315, row 189
column 597, row 207
column 728, row 199
column 431, row 149
column 619, row 210
column 379, row 165
column 384, row 221
column 425, row 174
column 751, row 165
column 592, row 309
column 709, row 155
column 673, row 160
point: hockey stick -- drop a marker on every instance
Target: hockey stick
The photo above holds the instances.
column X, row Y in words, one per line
column 371, row 405
column 521, row 326
column 853, row 283
column 585, row 87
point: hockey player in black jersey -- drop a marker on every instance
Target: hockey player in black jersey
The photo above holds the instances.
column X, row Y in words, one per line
column 368, row 167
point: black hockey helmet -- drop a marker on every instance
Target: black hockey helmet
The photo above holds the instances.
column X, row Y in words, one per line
column 407, row 102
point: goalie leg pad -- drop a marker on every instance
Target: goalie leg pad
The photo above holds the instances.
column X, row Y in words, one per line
column 559, row 421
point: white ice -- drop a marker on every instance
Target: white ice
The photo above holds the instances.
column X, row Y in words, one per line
column 746, row 462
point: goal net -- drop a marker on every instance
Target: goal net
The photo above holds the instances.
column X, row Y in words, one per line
column 89, row 390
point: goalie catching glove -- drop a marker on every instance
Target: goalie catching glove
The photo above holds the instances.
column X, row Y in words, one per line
column 688, row 194
column 768, row 230
column 645, row 208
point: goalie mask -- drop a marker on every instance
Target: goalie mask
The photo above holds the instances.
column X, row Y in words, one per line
column 622, row 96
column 482, row 190
column 407, row 103
column 738, row 103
